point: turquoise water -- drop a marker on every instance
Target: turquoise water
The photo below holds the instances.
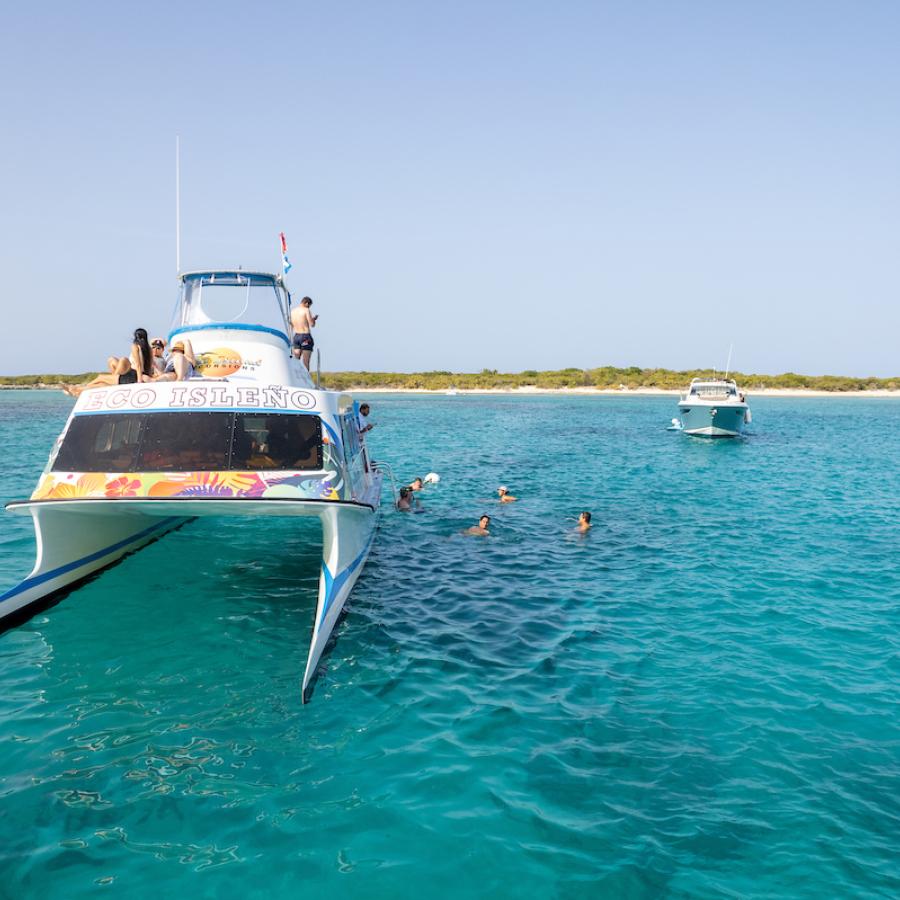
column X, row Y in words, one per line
column 699, row 698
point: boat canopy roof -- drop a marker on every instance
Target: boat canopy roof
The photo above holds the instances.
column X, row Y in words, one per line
column 229, row 297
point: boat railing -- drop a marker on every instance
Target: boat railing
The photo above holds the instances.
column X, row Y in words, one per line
column 384, row 469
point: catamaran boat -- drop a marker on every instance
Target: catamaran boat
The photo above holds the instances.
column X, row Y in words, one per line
column 249, row 435
column 713, row 408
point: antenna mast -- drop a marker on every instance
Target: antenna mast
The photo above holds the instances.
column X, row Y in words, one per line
column 177, row 205
column 728, row 364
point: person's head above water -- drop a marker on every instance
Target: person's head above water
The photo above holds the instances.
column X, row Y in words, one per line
column 503, row 489
column 584, row 520
column 416, row 484
column 481, row 528
column 404, row 492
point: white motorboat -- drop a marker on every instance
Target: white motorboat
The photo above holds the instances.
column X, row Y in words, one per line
column 249, row 435
column 713, row 408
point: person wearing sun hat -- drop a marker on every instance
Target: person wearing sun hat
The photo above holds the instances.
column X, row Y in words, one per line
column 505, row 495
column 181, row 362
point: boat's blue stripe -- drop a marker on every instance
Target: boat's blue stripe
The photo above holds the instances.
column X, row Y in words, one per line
column 230, row 326
column 333, row 435
column 333, row 585
column 99, row 554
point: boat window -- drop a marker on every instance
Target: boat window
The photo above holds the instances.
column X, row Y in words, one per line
column 190, row 442
column 99, row 444
column 713, row 390
column 353, row 450
column 276, row 441
column 230, row 297
column 350, row 432
column 185, row 442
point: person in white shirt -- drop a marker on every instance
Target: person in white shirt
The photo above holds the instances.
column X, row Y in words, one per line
column 364, row 424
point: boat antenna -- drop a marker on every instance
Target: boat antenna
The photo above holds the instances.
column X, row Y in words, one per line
column 728, row 364
column 177, row 205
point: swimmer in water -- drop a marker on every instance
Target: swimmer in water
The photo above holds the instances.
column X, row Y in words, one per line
column 584, row 522
column 416, row 484
column 505, row 495
column 481, row 528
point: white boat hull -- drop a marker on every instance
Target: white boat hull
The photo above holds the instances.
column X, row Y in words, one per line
column 78, row 538
column 707, row 420
column 72, row 547
column 346, row 541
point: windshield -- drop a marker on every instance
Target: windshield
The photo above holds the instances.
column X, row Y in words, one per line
column 713, row 389
column 222, row 298
column 190, row 442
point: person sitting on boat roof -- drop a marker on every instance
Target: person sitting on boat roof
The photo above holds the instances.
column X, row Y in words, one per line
column 364, row 424
column 142, row 355
column 158, row 348
column 481, row 528
column 123, row 370
column 303, row 322
column 120, row 372
column 505, row 495
column 180, row 365
column 584, row 522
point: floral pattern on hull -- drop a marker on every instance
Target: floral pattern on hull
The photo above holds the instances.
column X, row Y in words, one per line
column 241, row 485
column 326, row 484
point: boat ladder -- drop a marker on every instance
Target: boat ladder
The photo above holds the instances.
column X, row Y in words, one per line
column 384, row 469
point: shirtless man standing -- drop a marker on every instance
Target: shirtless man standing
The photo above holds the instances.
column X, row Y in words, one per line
column 303, row 322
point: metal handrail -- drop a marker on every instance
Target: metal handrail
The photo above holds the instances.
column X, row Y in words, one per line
column 384, row 469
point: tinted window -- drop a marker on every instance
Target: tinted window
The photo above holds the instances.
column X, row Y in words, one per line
column 185, row 442
column 190, row 442
column 100, row 444
column 276, row 442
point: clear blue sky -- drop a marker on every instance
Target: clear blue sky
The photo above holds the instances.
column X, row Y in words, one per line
column 467, row 185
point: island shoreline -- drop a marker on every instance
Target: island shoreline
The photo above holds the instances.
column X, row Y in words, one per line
column 527, row 391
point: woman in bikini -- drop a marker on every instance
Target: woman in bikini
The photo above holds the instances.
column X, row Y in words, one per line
column 142, row 355
column 122, row 369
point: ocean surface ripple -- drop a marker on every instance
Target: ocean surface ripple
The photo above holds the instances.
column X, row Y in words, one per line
column 699, row 698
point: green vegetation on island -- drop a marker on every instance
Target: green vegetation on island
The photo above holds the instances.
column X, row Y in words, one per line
column 605, row 377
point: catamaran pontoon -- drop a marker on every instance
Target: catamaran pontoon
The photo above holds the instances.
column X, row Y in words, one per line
column 251, row 436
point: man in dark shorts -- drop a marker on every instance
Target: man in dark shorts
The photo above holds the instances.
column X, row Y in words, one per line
column 303, row 322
